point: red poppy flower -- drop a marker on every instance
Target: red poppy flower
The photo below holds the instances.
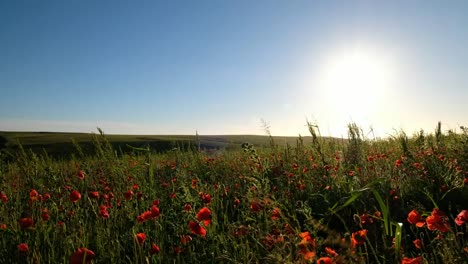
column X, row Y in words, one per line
column 275, row 214
column 417, row 243
column 437, row 221
column 462, row 218
column 205, row 197
column 82, row 255
column 128, row 195
column 331, row 252
column 359, row 237
column 154, row 249
column 324, row 260
column 256, row 206
column 75, row 196
column 196, row 229
column 26, row 223
column 414, row 218
column 103, row 212
column 33, row 195
column 45, row 214
column 80, row 174
column 416, row 260
column 155, row 211
column 23, row 248
column 94, row 195
column 3, row 226
column 4, row 197
column 46, row 197
column 187, row 207
column 140, row 238
column 204, row 215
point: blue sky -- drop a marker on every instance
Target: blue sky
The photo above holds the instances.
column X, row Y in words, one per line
column 220, row 67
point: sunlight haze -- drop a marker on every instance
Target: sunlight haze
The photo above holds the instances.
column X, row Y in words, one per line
column 221, row 67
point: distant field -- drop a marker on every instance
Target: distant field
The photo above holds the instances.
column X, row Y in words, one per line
column 60, row 144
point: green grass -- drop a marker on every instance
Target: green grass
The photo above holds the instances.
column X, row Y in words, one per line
column 289, row 203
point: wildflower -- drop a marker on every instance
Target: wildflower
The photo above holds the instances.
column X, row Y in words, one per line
column 416, row 260
column 75, row 196
column 185, row 239
column 23, row 247
column 154, row 249
column 26, row 223
column 331, row 252
column 204, row 215
column 33, row 195
column 128, row 195
column 205, row 197
column 80, row 174
column 366, row 219
column 4, row 197
column 414, row 218
column 140, row 238
column 187, row 207
column 255, row 206
column 94, row 195
column 359, row 237
column 103, row 212
column 437, row 221
column 46, row 197
column 417, row 243
column 154, row 211
column 3, row 226
column 324, row 260
column 45, row 214
column 275, row 214
column 82, row 256
column 462, row 218
column 196, row 229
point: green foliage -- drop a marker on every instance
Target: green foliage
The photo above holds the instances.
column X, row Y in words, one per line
column 269, row 203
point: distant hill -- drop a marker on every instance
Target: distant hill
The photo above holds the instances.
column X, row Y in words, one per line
column 60, row 144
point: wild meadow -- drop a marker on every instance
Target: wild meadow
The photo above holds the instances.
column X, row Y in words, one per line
column 403, row 199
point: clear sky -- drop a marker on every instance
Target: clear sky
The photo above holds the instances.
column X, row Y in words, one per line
column 220, row 67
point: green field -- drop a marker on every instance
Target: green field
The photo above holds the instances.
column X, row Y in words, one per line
column 312, row 200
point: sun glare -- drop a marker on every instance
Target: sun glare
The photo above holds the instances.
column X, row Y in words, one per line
column 353, row 85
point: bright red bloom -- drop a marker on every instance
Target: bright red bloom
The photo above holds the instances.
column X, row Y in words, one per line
column 204, row 215
column 26, row 223
column 196, row 229
column 82, row 255
column 154, row 249
column 103, row 212
column 75, row 196
column 140, row 238
column 324, row 260
column 417, row 243
column 23, row 247
column 187, row 207
column 331, row 252
column 256, row 206
column 45, row 214
column 46, row 197
column 416, row 260
column 437, row 221
column 94, row 195
column 462, row 218
column 128, row 195
column 185, row 239
column 155, row 211
column 414, row 218
column 359, row 237
column 33, row 195
column 80, row 174
column 205, row 197
column 4, row 197
column 275, row 214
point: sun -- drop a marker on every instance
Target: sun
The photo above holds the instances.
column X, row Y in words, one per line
column 352, row 84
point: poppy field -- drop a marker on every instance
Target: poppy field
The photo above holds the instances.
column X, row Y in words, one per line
column 398, row 200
